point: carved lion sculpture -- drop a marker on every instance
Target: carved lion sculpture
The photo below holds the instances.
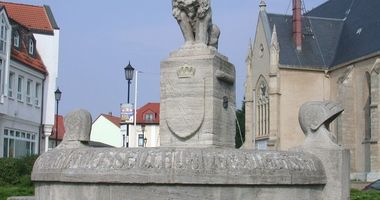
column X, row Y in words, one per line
column 195, row 20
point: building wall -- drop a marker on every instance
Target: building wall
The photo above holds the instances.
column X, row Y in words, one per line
column 106, row 132
column 257, row 66
column 48, row 48
column 151, row 133
column 350, row 85
column 298, row 87
column 19, row 115
column 21, row 108
column 21, row 129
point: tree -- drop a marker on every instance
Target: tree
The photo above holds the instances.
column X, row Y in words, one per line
column 240, row 126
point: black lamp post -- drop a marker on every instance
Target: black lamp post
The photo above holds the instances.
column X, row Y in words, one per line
column 57, row 95
column 143, row 131
column 129, row 70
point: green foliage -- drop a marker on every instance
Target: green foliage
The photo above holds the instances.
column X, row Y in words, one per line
column 240, row 138
column 364, row 195
column 11, row 191
column 16, row 171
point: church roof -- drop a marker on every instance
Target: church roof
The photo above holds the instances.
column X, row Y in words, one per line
column 341, row 31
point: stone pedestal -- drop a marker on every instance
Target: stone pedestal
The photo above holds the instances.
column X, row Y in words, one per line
column 177, row 174
column 337, row 167
column 197, row 99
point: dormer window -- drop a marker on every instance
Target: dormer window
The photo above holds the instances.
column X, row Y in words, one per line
column 3, row 34
column 31, row 46
column 16, row 39
column 149, row 117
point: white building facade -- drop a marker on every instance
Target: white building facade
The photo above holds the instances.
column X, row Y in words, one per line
column 146, row 133
column 106, row 130
column 28, row 71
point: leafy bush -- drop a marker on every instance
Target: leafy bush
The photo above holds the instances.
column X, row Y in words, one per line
column 12, row 191
column 364, row 195
column 16, row 171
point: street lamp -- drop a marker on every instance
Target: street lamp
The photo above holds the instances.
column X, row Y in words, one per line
column 143, row 132
column 129, row 70
column 57, row 95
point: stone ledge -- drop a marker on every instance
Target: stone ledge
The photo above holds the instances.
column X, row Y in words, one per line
column 196, row 51
column 211, row 166
column 22, row 198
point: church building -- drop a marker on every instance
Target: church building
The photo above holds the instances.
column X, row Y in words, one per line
column 330, row 53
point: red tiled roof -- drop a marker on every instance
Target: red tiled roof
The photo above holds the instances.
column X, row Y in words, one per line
column 61, row 128
column 113, row 119
column 153, row 108
column 30, row 16
column 23, row 57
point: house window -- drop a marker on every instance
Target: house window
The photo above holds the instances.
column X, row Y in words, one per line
column 3, row 35
column 262, row 109
column 37, row 95
column 261, row 144
column 1, row 76
column 149, row 117
column 20, row 88
column 31, row 47
column 11, row 83
column 141, row 140
column 16, row 39
column 29, row 91
column 16, row 145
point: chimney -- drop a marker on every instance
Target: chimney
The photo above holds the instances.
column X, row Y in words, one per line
column 110, row 113
column 297, row 24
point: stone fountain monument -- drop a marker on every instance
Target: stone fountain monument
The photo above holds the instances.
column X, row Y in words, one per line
column 197, row 127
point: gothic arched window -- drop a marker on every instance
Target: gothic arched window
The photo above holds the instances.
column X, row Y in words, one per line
column 262, row 108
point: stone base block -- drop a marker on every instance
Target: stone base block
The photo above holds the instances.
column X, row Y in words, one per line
column 336, row 162
column 62, row 191
column 22, row 198
column 177, row 174
column 373, row 176
column 197, row 99
column 359, row 176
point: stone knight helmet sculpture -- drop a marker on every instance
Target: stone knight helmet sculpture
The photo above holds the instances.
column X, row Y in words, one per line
column 315, row 118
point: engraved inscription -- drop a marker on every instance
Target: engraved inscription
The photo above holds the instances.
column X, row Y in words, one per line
column 181, row 160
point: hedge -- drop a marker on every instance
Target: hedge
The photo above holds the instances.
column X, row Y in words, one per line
column 16, row 171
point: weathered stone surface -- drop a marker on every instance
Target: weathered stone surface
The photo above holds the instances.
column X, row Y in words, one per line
column 194, row 84
column 195, row 20
column 77, row 130
column 22, row 198
column 101, row 191
column 78, row 126
column 315, row 118
column 337, row 166
column 178, row 166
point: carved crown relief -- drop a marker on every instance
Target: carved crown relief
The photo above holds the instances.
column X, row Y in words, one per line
column 186, row 71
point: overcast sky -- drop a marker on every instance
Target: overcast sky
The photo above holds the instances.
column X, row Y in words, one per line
column 98, row 38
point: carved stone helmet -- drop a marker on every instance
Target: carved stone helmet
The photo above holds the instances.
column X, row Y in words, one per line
column 313, row 114
column 77, row 126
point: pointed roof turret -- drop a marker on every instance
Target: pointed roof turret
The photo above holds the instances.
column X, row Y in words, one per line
column 262, row 5
column 274, row 41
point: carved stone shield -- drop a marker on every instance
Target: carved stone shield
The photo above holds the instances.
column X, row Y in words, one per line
column 186, row 107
